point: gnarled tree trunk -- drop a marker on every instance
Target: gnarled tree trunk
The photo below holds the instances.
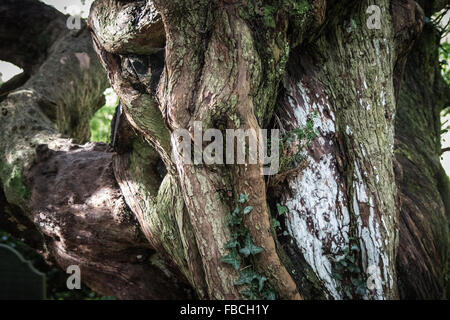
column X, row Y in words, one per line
column 367, row 202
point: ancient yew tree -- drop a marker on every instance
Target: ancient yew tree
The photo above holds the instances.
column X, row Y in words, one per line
column 361, row 211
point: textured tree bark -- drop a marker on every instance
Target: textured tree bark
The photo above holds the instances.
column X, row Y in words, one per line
column 346, row 195
column 423, row 185
column 144, row 224
column 60, row 197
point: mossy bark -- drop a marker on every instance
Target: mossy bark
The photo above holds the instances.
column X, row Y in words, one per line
column 423, row 184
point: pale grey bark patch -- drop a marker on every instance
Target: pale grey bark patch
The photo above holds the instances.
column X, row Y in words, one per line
column 318, row 218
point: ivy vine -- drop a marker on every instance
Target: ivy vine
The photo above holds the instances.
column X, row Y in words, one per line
column 293, row 143
column 241, row 250
column 347, row 269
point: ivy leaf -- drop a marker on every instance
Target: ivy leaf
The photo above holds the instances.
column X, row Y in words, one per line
column 235, row 221
column 243, row 198
column 232, row 244
column 358, row 282
column 355, row 248
column 351, row 259
column 234, row 236
column 339, row 268
column 270, row 295
column 276, row 224
column 353, row 268
column 250, row 248
column 236, row 212
column 242, row 232
column 361, row 291
column 343, row 262
column 248, row 210
column 360, row 286
column 232, row 259
column 246, row 277
column 248, row 293
column 281, row 209
column 337, row 276
column 261, row 281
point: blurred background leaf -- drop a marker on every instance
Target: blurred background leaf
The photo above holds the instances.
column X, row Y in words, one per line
column 100, row 124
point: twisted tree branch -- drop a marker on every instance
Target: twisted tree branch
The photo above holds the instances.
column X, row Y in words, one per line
column 62, row 197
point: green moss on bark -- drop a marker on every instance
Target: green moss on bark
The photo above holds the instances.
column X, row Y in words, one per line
column 13, row 182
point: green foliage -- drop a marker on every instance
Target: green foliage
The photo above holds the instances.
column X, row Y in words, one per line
column 249, row 248
column 276, row 224
column 347, row 269
column 255, row 283
column 242, row 248
column 297, row 8
column 444, row 54
column 294, row 142
column 247, row 277
column 247, row 210
column 14, row 180
column 281, row 210
column 232, row 258
column 243, row 198
column 269, row 16
column 100, row 124
column 294, row 8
